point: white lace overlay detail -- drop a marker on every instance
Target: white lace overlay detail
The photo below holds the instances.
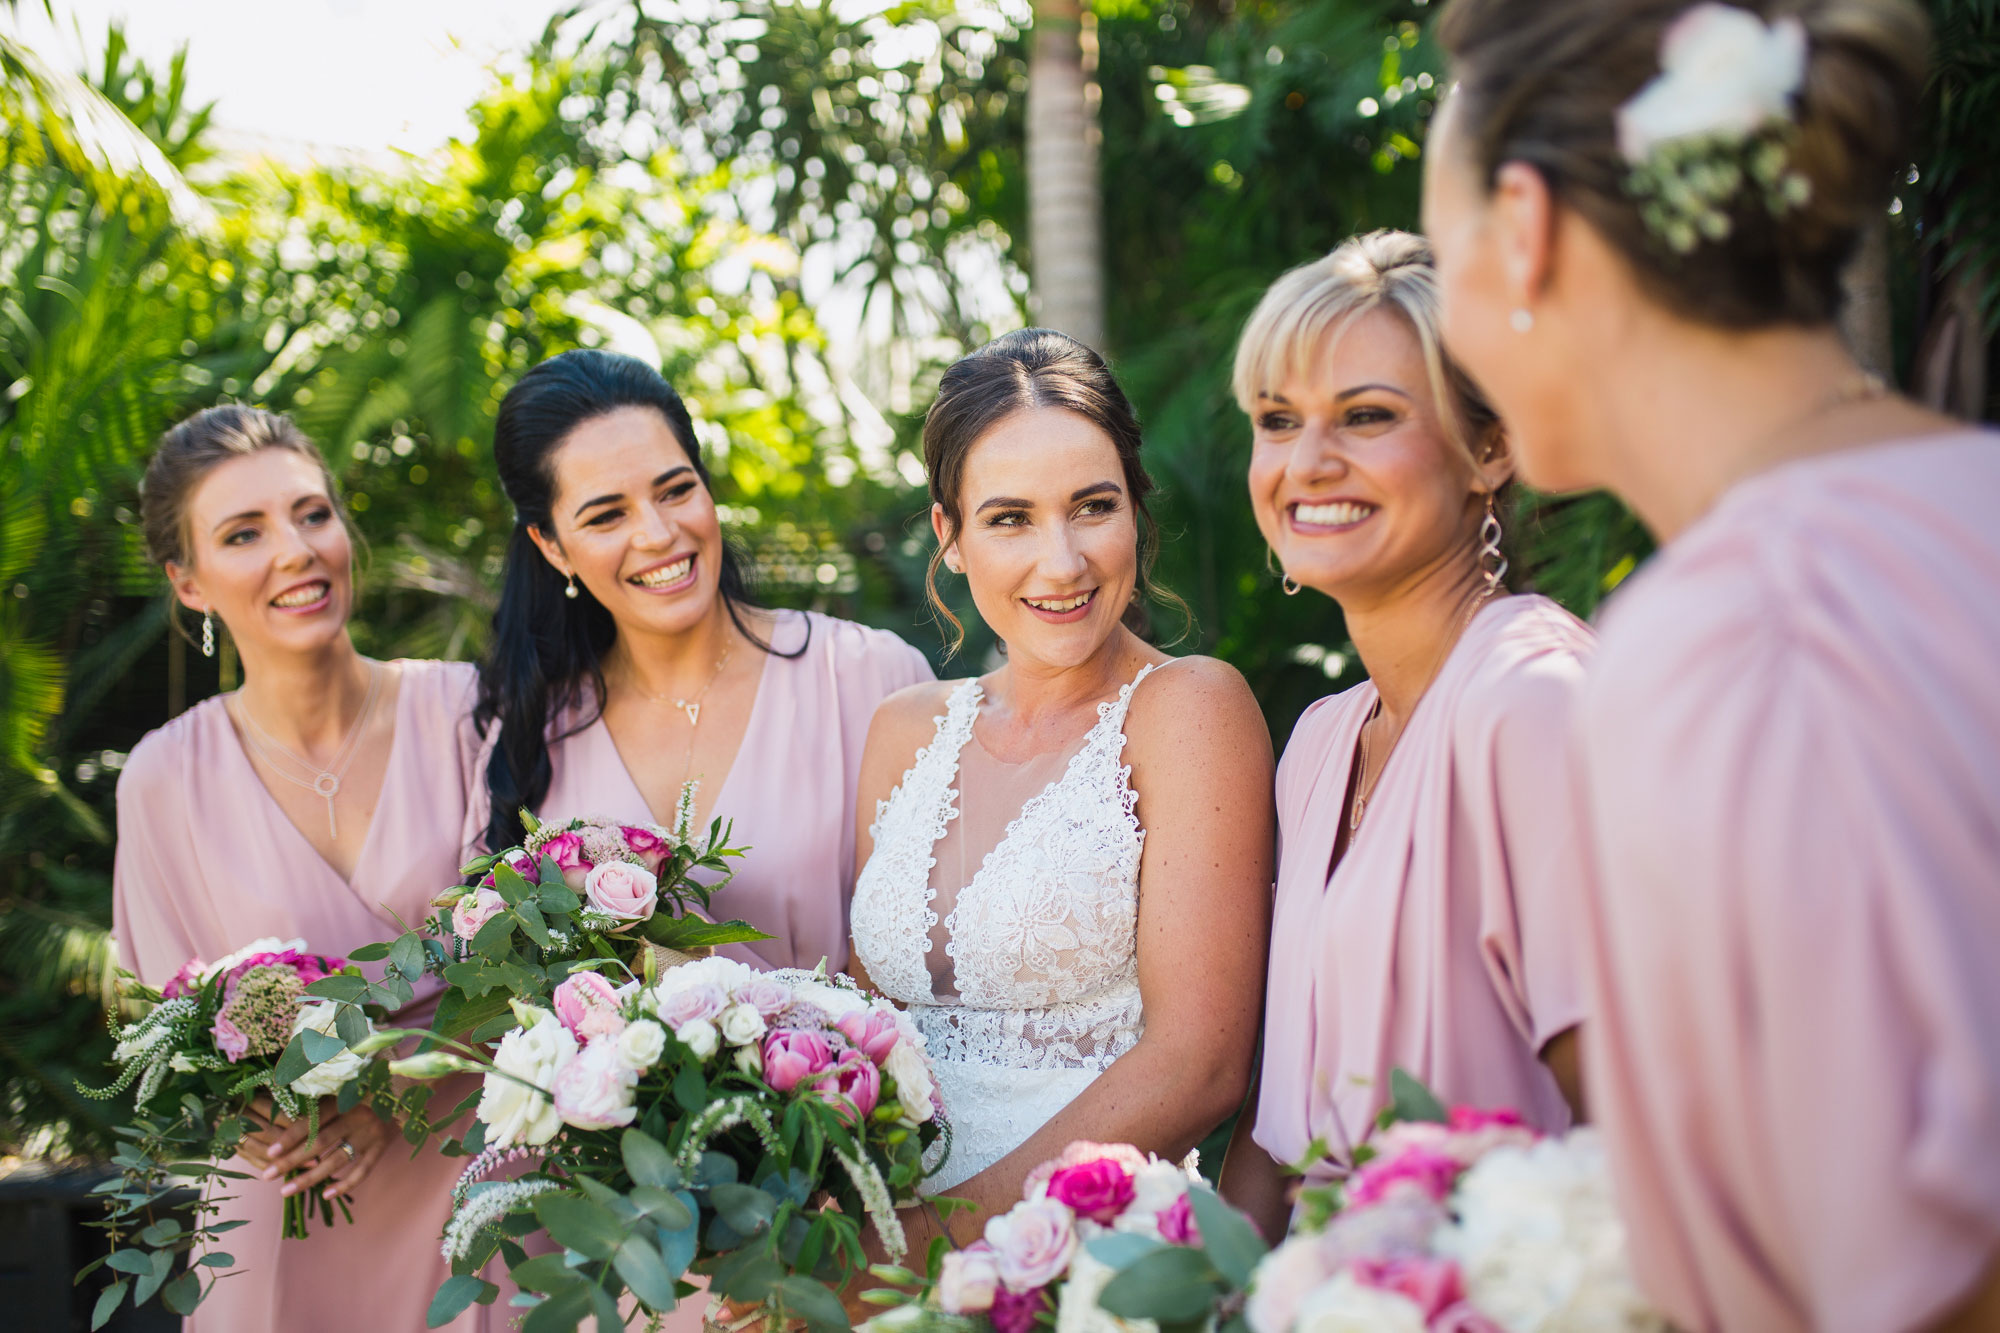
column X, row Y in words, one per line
column 1044, row 940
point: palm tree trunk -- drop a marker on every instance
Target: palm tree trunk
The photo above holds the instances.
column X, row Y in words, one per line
column 1065, row 206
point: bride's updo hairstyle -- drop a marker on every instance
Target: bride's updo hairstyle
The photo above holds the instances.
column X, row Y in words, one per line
column 1541, row 82
column 1019, row 371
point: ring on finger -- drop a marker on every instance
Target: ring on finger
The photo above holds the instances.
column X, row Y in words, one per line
column 347, row 1148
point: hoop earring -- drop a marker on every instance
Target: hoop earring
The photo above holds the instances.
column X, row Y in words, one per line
column 1492, row 560
column 569, row 588
column 207, row 635
column 1290, row 585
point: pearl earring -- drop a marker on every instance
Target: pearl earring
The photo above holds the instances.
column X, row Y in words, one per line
column 569, row 589
column 1522, row 319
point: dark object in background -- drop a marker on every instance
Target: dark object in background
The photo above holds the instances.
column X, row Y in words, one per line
column 44, row 1240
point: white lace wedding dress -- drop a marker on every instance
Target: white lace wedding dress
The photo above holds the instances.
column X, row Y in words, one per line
column 1035, row 989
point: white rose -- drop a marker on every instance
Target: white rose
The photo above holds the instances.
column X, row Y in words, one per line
column 328, row 1076
column 741, row 1025
column 641, row 1045
column 1077, row 1310
column 700, row 1037
column 269, row 944
column 1343, row 1305
column 750, row 1059
column 514, row 1112
column 717, row 971
column 1722, row 71
column 913, row 1082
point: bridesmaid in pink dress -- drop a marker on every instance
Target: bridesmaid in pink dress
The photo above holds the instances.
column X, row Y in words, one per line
column 1790, row 742
column 222, row 840
column 1427, row 871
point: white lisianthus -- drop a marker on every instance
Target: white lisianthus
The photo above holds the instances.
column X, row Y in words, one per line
column 1540, row 1243
column 328, row 1076
column 700, row 1037
column 1343, row 1305
column 750, row 1059
column 641, row 1045
column 515, row 1112
column 1077, row 1310
column 741, row 1025
column 914, row 1087
column 1723, row 71
column 1282, row 1281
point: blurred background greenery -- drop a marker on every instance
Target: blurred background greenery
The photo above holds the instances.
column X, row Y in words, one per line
column 676, row 182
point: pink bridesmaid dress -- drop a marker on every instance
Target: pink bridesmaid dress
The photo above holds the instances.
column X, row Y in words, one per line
column 790, row 793
column 1791, row 750
column 206, row 863
column 1443, row 942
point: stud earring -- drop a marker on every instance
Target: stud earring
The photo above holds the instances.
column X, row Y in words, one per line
column 1522, row 319
column 569, row 589
column 207, row 635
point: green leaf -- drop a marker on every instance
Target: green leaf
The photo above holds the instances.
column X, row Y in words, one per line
column 182, row 1294
column 532, row 924
column 661, row 1208
column 544, row 1272
column 646, row 1273
column 160, row 1233
column 494, row 933
column 319, row 1047
column 455, row 1295
column 1413, row 1101
column 819, row 1307
column 1116, row 1249
column 160, row 1267
column 370, row 953
column 1233, row 1245
column 217, row 1259
column 1172, row 1285
column 691, row 932
column 691, row 1089
column 406, row 955
column 561, row 1312
column 581, row 1225
column 107, row 1303
column 343, row 987
column 746, row 1274
column 648, row 1162
column 509, row 884
column 352, row 1027
column 557, row 898
column 292, row 1064
column 745, row 1208
column 131, row 1261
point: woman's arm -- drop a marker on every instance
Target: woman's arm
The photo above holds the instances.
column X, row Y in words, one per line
column 1252, row 1180
column 1201, row 763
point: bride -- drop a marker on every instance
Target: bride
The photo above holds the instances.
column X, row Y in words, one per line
column 1068, row 876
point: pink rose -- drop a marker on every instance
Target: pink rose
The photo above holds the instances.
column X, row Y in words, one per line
column 703, row 1000
column 969, row 1280
column 475, row 910
column 1177, row 1224
column 1016, row 1311
column 621, row 890
column 1032, row 1243
column 767, row 995
column 228, row 1040
column 872, row 1031
column 1434, row 1284
column 648, row 846
column 1463, row 1318
column 581, row 995
column 855, row 1080
column 594, row 1091
column 186, row 981
column 1431, row 1173
column 1098, row 1190
column 566, row 850
column 791, row 1055
column 1077, row 1154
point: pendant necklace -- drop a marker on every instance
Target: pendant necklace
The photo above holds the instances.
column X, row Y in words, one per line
column 324, row 782
column 692, row 707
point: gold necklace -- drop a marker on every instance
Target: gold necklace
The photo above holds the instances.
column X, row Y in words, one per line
column 692, row 707
column 324, row 782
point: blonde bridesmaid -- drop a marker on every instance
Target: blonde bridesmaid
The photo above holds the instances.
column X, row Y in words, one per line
column 1790, row 740
column 1428, row 871
column 321, row 801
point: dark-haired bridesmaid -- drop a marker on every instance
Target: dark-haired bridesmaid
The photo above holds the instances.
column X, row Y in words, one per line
column 629, row 658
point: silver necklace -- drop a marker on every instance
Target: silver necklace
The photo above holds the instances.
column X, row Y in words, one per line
column 324, row 782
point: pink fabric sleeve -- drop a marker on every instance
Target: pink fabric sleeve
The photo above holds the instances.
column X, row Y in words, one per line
column 474, row 753
column 153, row 860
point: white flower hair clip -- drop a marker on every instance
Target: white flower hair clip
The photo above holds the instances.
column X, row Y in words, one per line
column 1716, row 118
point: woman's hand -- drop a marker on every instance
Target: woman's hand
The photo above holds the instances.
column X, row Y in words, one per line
column 920, row 1227
column 348, row 1146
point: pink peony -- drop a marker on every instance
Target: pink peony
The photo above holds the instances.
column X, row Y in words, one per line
column 566, row 850
column 969, row 1280
column 1463, row 1318
column 1434, row 1284
column 873, row 1032
column 1077, row 1154
column 647, row 844
column 232, row 1043
column 1177, row 1224
column 791, row 1055
column 1431, row 1173
column 1098, row 1190
column 475, row 910
column 186, row 981
column 594, row 1091
column 767, row 995
column 1016, row 1311
column 855, row 1080
column 582, row 997
column 623, row 891
column 1032, row 1243
column 704, row 1001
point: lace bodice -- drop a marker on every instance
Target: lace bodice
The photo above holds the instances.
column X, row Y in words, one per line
column 1043, row 940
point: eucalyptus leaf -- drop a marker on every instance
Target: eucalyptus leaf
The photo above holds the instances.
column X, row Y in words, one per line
column 406, row 955
column 556, row 897
column 820, row 1308
column 1116, row 1249
column 581, row 1225
column 319, row 1047
column 370, row 953
column 494, row 934
column 131, row 1261
column 347, row 989
column 458, row 1292
column 160, row 1267
column 349, row 1023
column 640, row 1264
column 745, row 1208
column 182, row 1294
column 662, row 1208
column 107, row 1305
column 1413, row 1101
column 532, row 924
column 544, row 1272
column 648, row 1161
column 1233, row 1245
column 292, row 1064
column 562, row 1311
column 1171, row 1285
column 508, row 883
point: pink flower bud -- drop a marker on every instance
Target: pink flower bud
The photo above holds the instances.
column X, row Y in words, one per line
column 791, row 1055
column 580, row 994
column 872, row 1031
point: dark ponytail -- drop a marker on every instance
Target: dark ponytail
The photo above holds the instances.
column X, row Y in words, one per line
column 548, row 649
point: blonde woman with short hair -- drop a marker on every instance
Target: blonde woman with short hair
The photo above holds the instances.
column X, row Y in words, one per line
column 1427, row 868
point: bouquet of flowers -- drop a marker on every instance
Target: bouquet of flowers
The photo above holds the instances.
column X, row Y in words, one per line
column 270, row 1020
column 1104, row 1238
column 740, row 1123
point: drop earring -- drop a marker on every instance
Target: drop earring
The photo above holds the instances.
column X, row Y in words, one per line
column 1492, row 560
column 1522, row 319
column 569, row 588
column 207, row 634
